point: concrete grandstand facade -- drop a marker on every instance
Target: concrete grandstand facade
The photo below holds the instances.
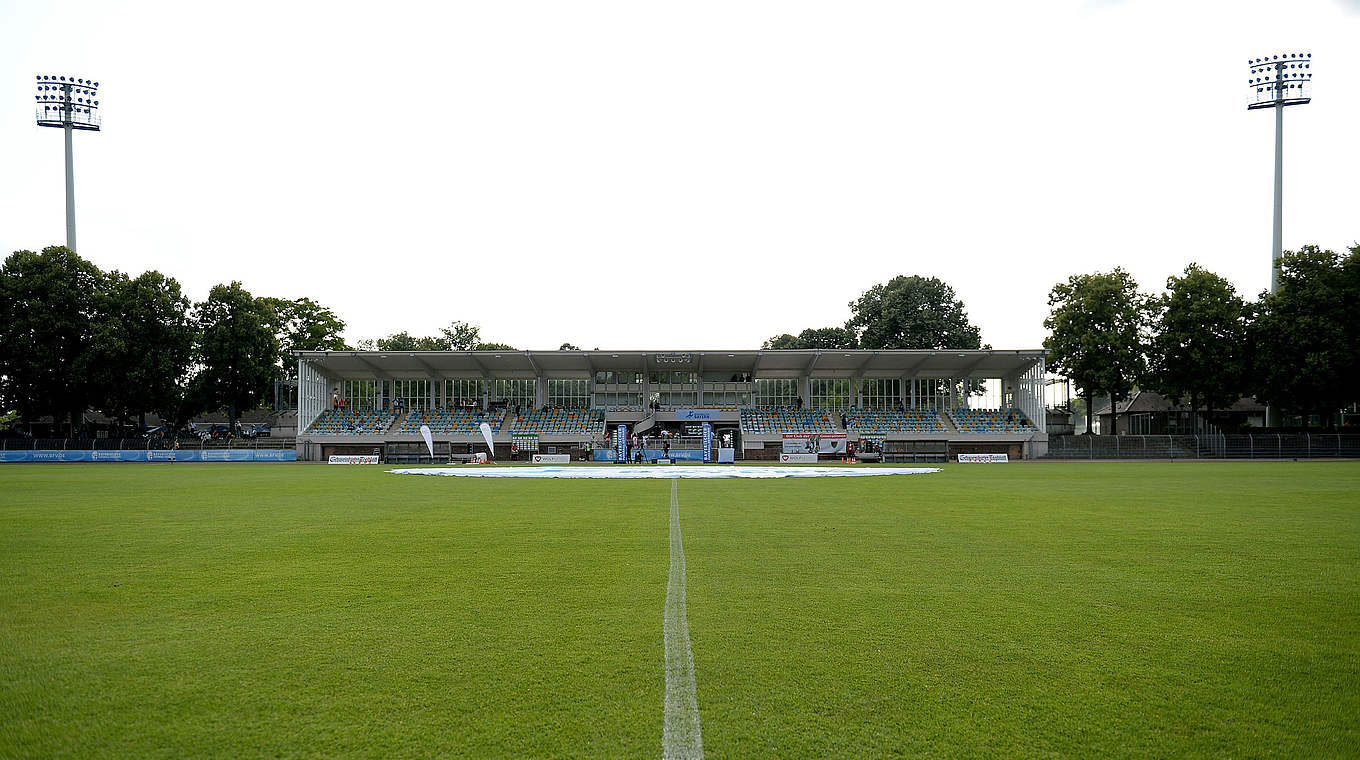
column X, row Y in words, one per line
column 907, row 401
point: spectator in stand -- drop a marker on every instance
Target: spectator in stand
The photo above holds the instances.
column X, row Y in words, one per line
column 335, row 400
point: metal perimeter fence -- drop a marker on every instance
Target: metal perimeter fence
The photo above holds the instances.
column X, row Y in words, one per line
column 141, row 444
column 1261, row 446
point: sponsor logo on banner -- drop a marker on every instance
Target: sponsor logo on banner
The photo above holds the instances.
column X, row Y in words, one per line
column 352, row 459
column 621, row 445
column 708, row 443
column 161, row 456
column 57, row 456
column 280, row 455
column 798, row 458
column 814, row 443
column 698, row 415
column 552, row 459
column 983, row 458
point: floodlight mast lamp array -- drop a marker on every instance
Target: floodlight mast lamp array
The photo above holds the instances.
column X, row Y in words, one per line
column 69, row 103
column 1278, row 81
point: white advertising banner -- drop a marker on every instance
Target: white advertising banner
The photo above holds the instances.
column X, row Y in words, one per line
column 552, row 459
column 983, row 458
column 814, row 443
column 798, row 458
column 360, row 459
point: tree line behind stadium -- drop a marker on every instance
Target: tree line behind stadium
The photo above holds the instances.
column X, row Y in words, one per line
column 74, row 337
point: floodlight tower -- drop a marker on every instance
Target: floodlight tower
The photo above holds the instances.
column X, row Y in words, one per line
column 1278, row 81
column 69, row 103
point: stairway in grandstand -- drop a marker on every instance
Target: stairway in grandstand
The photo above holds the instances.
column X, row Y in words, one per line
column 645, row 424
column 948, row 424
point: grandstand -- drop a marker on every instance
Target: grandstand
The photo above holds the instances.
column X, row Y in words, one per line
column 780, row 419
column 560, row 421
column 878, row 422
column 352, row 422
column 573, row 401
column 991, row 421
column 458, row 421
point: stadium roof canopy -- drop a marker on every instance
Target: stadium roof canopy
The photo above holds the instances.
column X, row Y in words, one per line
column 759, row 364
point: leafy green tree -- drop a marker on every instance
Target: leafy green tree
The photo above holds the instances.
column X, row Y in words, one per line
column 461, row 336
column 143, row 342
column 304, row 325
column 404, row 341
column 48, row 302
column 237, row 349
column 458, row 336
column 568, row 347
column 823, row 337
column 1198, row 349
column 1304, row 337
column 1350, row 285
column 782, row 342
column 1097, row 335
column 912, row 313
column 8, row 419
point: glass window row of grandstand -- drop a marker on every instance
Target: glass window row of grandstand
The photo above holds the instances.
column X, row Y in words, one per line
column 835, row 394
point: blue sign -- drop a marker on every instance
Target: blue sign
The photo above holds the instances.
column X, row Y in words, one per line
column 708, row 443
column 698, row 415
column 158, row 455
column 621, row 445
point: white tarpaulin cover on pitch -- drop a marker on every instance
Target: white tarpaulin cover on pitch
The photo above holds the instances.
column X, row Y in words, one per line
column 663, row 471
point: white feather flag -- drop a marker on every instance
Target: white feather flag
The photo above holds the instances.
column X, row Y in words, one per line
column 486, row 434
column 429, row 439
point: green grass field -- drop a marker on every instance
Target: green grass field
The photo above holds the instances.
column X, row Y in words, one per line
column 1024, row 610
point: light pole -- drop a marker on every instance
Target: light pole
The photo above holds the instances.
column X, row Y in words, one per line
column 69, row 103
column 1278, row 81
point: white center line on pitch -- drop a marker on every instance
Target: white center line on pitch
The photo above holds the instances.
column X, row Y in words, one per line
column 680, row 737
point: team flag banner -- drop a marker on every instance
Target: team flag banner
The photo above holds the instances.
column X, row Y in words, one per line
column 814, row 443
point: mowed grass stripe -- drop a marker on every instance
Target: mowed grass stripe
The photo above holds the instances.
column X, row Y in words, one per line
column 240, row 610
column 682, row 737
column 1030, row 610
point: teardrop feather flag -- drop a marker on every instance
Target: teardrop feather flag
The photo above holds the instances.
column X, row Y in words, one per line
column 486, row 434
column 429, row 439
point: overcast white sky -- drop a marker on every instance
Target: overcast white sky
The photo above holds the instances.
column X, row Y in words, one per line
column 675, row 175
